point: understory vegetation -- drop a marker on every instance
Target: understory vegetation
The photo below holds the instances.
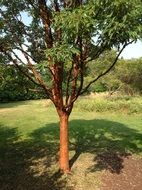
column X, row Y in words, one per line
column 103, row 102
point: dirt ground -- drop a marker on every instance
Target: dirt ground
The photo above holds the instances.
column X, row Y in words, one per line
column 117, row 173
column 130, row 176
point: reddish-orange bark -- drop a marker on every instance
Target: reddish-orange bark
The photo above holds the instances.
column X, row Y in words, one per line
column 64, row 143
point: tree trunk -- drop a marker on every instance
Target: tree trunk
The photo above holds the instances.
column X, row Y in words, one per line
column 64, row 143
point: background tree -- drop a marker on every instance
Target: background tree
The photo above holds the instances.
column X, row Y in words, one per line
column 131, row 77
column 98, row 66
column 59, row 38
column 14, row 86
column 125, row 77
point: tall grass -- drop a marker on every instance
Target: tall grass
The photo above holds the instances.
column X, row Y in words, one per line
column 105, row 103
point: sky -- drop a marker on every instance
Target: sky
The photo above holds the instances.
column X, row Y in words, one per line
column 132, row 51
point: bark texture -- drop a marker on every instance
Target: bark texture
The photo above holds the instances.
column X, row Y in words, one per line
column 64, row 143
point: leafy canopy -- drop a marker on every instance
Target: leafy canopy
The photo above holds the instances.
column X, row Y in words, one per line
column 69, row 34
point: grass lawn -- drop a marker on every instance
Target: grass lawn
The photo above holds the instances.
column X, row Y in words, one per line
column 29, row 141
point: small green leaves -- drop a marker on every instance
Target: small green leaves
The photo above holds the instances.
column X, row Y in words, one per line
column 61, row 52
column 75, row 22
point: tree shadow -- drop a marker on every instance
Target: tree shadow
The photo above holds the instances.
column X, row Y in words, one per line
column 110, row 142
column 32, row 163
column 28, row 164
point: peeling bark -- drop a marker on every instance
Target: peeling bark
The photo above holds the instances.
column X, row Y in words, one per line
column 64, row 143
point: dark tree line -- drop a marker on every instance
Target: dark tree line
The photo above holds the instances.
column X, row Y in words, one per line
column 14, row 86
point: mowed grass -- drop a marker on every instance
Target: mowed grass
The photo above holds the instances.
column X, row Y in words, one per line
column 29, row 142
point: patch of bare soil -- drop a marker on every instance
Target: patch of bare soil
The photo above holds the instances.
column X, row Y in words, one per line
column 81, row 177
column 129, row 178
column 107, row 171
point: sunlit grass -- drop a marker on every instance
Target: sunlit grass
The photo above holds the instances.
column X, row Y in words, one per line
column 27, row 116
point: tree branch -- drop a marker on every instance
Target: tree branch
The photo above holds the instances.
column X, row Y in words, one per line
column 76, row 68
column 80, row 70
column 20, row 68
column 25, row 52
column 67, row 84
column 17, row 57
column 32, row 4
column 45, row 17
column 56, row 5
column 36, row 74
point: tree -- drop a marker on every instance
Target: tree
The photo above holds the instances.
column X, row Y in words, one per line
column 109, row 82
column 131, row 75
column 58, row 38
column 125, row 76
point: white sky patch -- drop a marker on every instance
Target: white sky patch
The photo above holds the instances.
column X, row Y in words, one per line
column 19, row 54
column 26, row 18
column 133, row 51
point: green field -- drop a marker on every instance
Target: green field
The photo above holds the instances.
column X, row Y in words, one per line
column 29, row 141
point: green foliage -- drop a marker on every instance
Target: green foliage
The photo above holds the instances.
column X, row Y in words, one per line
column 62, row 53
column 98, row 87
column 14, row 86
column 125, row 76
column 129, row 73
column 121, row 15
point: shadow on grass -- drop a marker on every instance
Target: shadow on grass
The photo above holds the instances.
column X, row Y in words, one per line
column 29, row 164
column 109, row 141
column 32, row 164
